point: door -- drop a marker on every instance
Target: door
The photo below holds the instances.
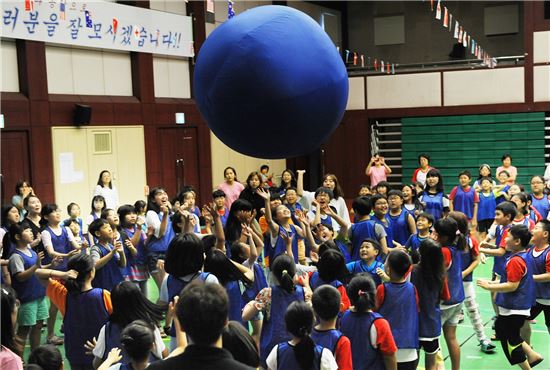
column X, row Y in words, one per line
column 15, row 162
column 179, row 158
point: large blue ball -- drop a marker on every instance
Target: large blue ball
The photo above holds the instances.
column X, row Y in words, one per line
column 270, row 83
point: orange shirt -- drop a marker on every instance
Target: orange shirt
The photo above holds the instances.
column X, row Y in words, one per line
column 58, row 295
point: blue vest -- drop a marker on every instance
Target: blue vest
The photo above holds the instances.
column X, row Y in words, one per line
column 486, row 207
column 356, row 326
column 161, row 244
column 287, row 360
column 30, row 289
column 539, row 267
column 360, row 231
column 360, row 266
column 399, row 227
column 454, row 277
column 109, row 275
column 400, row 309
column 60, row 244
column 464, row 201
column 429, row 318
column 344, row 249
column 175, row 286
column 233, row 289
column 327, row 339
column 315, row 281
column 85, row 314
column 413, row 243
column 542, row 205
column 112, row 340
column 467, row 259
column 388, row 228
column 434, row 204
column 500, row 261
column 141, row 257
column 273, row 330
column 259, row 283
column 523, row 297
column 280, row 245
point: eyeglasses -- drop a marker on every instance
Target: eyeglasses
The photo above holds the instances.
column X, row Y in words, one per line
column 537, row 183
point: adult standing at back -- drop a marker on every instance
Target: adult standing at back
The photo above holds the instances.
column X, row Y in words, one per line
column 107, row 190
column 507, row 166
column 420, row 173
column 230, row 186
column 377, row 170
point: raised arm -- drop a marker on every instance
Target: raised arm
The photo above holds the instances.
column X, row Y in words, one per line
column 273, row 227
column 300, row 182
column 250, row 235
column 218, row 225
column 344, row 225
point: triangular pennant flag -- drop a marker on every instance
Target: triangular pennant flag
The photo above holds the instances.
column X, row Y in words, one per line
column 446, row 18
column 432, row 5
column 375, row 64
column 354, row 58
column 476, row 51
column 388, row 69
column 473, row 47
column 383, row 66
column 362, row 61
column 465, row 39
column 392, row 69
column 456, row 30
column 438, row 10
column 347, row 56
column 468, row 42
column 230, row 11
column 460, row 32
column 450, row 22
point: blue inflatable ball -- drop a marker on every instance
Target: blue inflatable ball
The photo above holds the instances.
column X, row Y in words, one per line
column 270, row 83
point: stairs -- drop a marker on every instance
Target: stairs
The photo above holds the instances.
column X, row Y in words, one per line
column 386, row 140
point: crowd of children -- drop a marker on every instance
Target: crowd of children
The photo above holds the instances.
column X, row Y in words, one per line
column 306, row 283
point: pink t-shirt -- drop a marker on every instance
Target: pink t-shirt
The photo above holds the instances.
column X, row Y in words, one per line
column 377, row 174
column 232, row 192
column 9, row 360
column 513, row 171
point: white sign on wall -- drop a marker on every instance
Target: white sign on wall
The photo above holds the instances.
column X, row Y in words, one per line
column 98, row 24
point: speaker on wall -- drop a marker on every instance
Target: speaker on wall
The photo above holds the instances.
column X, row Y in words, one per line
column 82, row 114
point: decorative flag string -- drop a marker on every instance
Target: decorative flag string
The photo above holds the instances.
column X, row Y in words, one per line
column 230, row 11
column 359, row 60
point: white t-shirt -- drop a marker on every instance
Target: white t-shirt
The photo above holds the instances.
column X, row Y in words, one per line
column 110, row 195
column 327, row 360
column 339, row 204
column 47, row 237
column 99, row 350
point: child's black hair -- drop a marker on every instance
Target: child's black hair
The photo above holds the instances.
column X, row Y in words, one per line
column 218, row 264
column 399, row 262
column 427, row 216
column 376, row 197
column 137, row 340
column 332, row 266
column 362, row 205
column 524, row 199
column 7, row 307
column 449, row 233
column 83, row 264
column 233, row 226
column 327, row 245
column 326, row 302
column 97, row 197
column 545, row 224
column 184, row 256
column 96, row 225
column 383, row 184
column 218, row 193
column 423, row 155
column 431, row 267
column 46, row 356
column 140, row 206
column 504, row 156
column 481, row 179
column 16, row 229
column 48, row 209
column 508, row 209
column 264, row 167
column 284, row 269
column 396, row 192
column 70, row 206
column 362, row 292
column 465, row 172
column 522, row 233
column 151, row 205
column 324, row 190
column 439, row 188
column 129, row 304
column 124, row 211
column 299, row 319
column 68, row 222
column 239, row 342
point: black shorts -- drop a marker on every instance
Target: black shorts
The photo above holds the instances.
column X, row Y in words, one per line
column 152, row 260
column 430, row 346
column 484, row 225
column 537, row 309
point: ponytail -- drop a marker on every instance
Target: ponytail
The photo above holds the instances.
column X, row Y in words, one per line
column 299, row 320
column 460, row 240
column 284, row 270
column 83, row 264
column 362, row 292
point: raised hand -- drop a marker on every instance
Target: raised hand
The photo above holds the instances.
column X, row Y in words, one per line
column 39, row 259
column 263, row 193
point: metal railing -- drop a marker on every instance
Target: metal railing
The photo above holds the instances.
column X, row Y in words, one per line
column 441, row 65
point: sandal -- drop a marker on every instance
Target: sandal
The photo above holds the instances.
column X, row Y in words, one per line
column 56, row 341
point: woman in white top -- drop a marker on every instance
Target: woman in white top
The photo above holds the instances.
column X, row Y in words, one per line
column 107, row 190
column 329, row 181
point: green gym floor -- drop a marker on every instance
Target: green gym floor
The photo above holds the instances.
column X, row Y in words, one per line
column 471, row 357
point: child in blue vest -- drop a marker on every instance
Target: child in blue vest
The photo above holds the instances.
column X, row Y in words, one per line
column 85, row 309
column 428, row 276
column 515, row 297
column 73, row 210
column 540, row 201
column 540, row 254
column 158, row 218
column 470, row 261
column 219, row 199
column 410, row 200
column 402, row 222
column 424, row 223
column 300, row 352
column 184, row 263
column 108, row 258
column 129, row 304
column 380, row 207
column 58, row 242
column 521, row 200
column 360, row 324
column 487, row 206
column 369, row 252
column 137, row 341
column 433, row 198
column 320, row 205
column 136, row 264
column 365, row 228
column 464, row 198
column 273, row 302
column 31, row 294
column 326, row 304
column 397, row 302
column 120, row 236
column 331, row 270
column 453, row 242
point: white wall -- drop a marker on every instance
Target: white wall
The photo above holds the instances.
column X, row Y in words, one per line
column 8, row 60
column 171, row 77
column 88, row 72
column 541, row 47
column 356, row 95
column 404, row 91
